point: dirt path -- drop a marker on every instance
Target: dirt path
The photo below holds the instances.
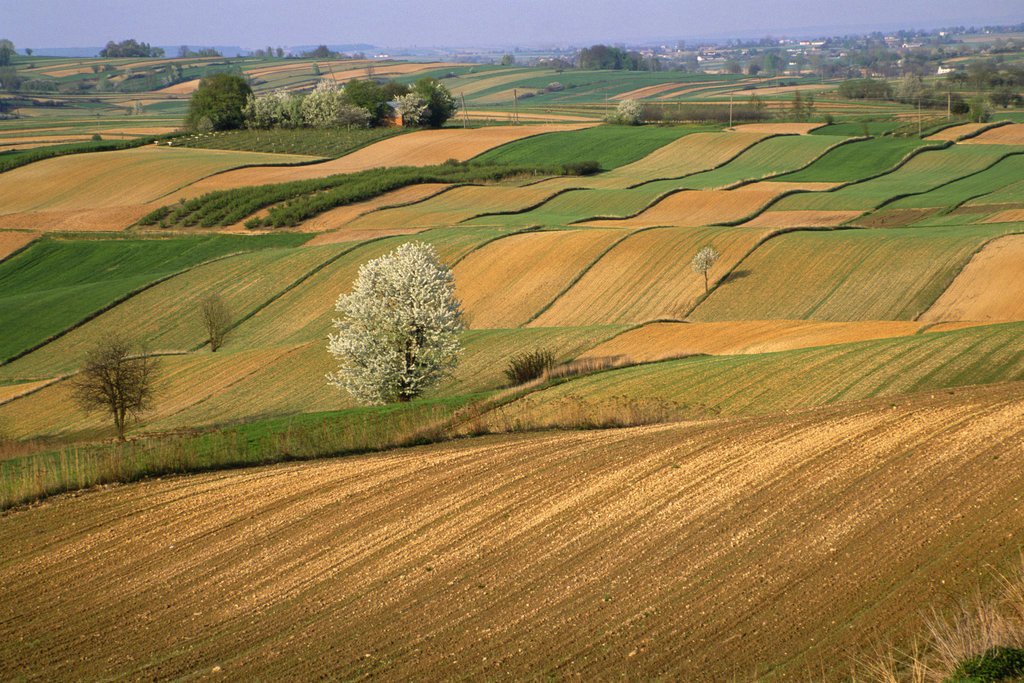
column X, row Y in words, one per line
column 691, row 552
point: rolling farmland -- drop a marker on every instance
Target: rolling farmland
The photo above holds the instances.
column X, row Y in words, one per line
column 752, row 464
column 579, row 568
column 55, row 284
column 846, row 275
column 744, row 384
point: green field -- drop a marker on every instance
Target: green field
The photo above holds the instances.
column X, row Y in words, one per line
column 774, row 156
column 1000, row 176
column 610, row 146
column 924, row 172
column 855, row 161
column 787, row 380
column 55, row 284
column 846, row 275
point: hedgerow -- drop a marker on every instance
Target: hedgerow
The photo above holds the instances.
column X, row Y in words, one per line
column 291, row 203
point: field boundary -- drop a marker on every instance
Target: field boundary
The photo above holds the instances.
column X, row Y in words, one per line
column 22, row 247
column 897, row 198
column 778, row 232
column 902, row 162
column 587, row 268
column 295, row 283
column 960, row 271
column 113, row 304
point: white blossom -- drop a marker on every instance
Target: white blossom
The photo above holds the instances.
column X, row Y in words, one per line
column 400, row 325
column 413, row 108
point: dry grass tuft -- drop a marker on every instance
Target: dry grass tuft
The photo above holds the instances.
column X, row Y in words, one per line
column 971, row 628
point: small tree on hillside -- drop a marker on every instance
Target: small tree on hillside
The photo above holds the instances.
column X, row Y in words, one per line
column 216, row 320
column 117, row 380
column 703, row 261
column 221, row 98
column 400, row 325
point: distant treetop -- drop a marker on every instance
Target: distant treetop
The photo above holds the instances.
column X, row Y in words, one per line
column 130, row 48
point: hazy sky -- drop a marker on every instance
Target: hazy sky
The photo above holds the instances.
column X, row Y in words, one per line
column 393, row 23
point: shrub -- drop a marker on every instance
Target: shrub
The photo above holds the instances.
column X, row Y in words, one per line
column 995, row 664
column 582, row 168
column 628, row 113
column 529, row 366
column 96, row 137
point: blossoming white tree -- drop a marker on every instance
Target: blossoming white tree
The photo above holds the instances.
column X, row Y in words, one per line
column 400, row 325
column 629, row 112
column 703, row 261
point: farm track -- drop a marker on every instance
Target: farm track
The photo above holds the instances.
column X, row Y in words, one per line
column 640, row 553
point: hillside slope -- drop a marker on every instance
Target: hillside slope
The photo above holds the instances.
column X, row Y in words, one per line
column 644, row 553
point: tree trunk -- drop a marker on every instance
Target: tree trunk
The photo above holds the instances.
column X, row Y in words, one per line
column 705, row 282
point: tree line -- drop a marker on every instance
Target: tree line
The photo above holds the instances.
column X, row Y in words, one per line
column 227, row 102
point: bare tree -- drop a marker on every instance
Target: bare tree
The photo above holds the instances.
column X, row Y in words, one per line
column 117, row 380
column 216, row 320
column 703, row 261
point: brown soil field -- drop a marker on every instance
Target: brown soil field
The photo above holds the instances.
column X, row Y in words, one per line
column 990, row 288
column 509, row 280
column 457, row 205
column 705, row 85
column 693, row 208
column 139, row 132
column 471, row 84
column 658, row 341
column 950, row 327
column 475, row 114
column 401, row 69
column 40, row 140
column 954, row 132
column 779, row 128
column 1012, row 134
column 647, row 553
column 422, row 148
column 647, row 277
column 801, row 219
column 11, row 242
column 166, row 315
column 184, row 382
column 648, row 91
column 1007, row 216
column 77, row 220
column 778, row 90
column 338, row 218
column 121, row 178
column 9, row 392
column 183, row 88
column 689, row 154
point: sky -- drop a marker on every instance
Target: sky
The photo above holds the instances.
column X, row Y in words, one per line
column 406, row 23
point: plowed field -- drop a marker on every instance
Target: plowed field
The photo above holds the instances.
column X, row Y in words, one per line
column 422, row 148
column 647, row 276
column 638, row 553
column 110, row 179
column 11, row 242
column 658, row 341
column 1012, row 134
column 509, row 280
column 990, row 288
column 891, row 274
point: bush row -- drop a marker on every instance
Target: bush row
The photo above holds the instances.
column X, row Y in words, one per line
column 291, row 203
